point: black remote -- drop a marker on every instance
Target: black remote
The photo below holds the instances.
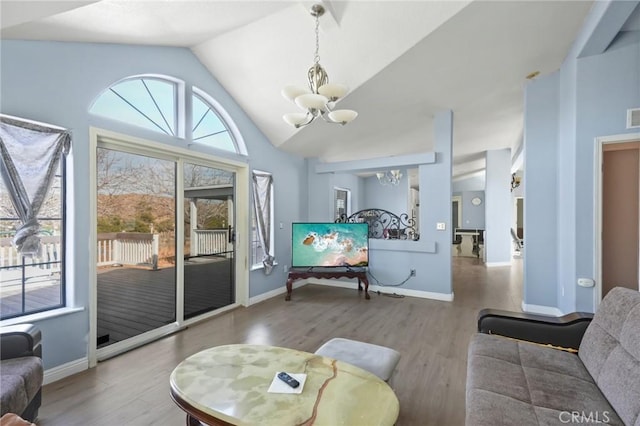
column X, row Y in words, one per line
column 288, row 380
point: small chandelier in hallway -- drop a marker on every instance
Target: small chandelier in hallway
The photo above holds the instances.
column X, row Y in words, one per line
column 319, row 99
column 390, row 177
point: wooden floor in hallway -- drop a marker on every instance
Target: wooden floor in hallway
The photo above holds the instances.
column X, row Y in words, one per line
column 432, row 336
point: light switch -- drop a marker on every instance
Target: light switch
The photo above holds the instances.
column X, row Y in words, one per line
column 440, row 226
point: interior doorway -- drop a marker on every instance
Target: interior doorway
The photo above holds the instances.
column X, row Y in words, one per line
column 618, row 248
column 456, row 215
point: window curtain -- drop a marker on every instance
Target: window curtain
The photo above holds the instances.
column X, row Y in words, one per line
column 29, row 156
column 262, row 193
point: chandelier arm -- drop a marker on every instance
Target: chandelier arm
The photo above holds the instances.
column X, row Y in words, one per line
column 326, row 118
column 309, row 121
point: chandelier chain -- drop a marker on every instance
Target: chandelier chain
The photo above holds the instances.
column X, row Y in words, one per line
column 316, row 57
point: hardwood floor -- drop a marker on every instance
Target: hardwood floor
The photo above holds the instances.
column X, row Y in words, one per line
column 432, row 336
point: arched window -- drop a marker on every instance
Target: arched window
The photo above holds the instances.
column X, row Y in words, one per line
column 207, row 126
column 152, row 102
column 147, row 102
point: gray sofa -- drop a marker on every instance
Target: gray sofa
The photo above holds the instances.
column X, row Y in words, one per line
column 513, row 382
column 21, row 371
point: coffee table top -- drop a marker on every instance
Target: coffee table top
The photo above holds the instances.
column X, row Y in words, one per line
column 229, row 384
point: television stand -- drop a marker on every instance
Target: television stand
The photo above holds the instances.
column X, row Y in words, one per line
column 299, row 274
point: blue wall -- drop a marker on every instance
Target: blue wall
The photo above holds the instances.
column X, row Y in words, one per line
column 564, row 113
column 57, row 82
column 472, row 216
column 498, row 208
column 391, row 260
column 387, row 197
column 607, row 85
column 540, row 192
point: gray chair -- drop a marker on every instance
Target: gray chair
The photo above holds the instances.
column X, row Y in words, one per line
column 517, row 242
column 21, row 371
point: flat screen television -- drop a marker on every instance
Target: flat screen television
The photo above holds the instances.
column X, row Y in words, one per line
column 329, row 245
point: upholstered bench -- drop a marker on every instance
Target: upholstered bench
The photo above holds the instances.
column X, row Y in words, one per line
column 376, row 359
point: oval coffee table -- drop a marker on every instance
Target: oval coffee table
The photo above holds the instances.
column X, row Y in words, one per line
column 228, row 385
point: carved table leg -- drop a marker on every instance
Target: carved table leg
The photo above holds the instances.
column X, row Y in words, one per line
column 366, row 286
column 289, row 288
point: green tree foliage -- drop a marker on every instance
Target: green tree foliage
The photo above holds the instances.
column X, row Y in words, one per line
column 110, row 224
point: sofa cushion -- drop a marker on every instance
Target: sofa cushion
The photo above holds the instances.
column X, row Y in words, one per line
column 511, row 382
column 610, row 350
column 13, row 397
column 21, row 381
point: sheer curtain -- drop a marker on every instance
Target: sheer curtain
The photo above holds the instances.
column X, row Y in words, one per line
column 262, row 198
column 29, row 156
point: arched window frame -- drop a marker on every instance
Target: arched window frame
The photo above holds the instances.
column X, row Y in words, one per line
column 226, row 119
column 183, row 102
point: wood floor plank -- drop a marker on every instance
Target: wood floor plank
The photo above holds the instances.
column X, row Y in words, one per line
column 432, row 337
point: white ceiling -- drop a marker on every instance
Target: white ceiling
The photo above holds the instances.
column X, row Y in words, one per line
column 402, row 60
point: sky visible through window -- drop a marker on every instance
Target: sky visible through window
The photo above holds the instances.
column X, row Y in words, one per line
column 151, row 103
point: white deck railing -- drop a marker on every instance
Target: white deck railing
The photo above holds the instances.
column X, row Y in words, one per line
column 132, row 248
column 209, row 241
column 128, row 248
column 9, row 256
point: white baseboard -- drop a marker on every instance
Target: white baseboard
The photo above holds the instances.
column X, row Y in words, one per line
column 397, row 290
column 541, row 309
column 277, row 292
column 65, row 370
column 494, row 264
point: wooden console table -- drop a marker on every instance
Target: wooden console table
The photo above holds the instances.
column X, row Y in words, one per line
column 299, row 274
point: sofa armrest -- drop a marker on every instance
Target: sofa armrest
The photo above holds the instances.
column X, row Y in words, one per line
column 565, row 331
column 20, row 340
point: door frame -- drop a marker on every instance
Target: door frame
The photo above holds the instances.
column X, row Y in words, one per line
column 457, row 198
column 600, row 144
column 135, row 145
column 347, row 207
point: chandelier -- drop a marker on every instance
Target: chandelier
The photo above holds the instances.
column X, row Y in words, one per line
column 319, row 99
column 390, row 177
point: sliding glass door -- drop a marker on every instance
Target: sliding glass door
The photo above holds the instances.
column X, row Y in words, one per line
column 136, row 262
column 208, row 239
column 158, row 266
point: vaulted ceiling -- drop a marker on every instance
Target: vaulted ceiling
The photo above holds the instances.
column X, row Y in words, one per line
column 403, row 61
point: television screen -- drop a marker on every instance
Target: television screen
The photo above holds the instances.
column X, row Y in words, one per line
column 330, row 244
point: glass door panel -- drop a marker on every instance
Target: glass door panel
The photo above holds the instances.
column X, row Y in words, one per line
column 208, row 239
column 136, row 268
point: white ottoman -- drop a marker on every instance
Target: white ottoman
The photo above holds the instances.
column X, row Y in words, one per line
column 378, row 360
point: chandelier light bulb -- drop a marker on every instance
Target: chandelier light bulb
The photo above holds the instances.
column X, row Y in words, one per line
column 292, row 92
column 311, row 101
column 333, row 91
column 343, row 116
column 390, row 177
column 295, row 119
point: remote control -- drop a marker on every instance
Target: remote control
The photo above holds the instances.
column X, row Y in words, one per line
column 288, row 380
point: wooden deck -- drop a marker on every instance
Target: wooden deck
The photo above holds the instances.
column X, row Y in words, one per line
column 132, row 301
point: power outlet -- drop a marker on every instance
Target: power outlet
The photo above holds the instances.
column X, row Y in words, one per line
column 441, row 226
column 413, row 273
